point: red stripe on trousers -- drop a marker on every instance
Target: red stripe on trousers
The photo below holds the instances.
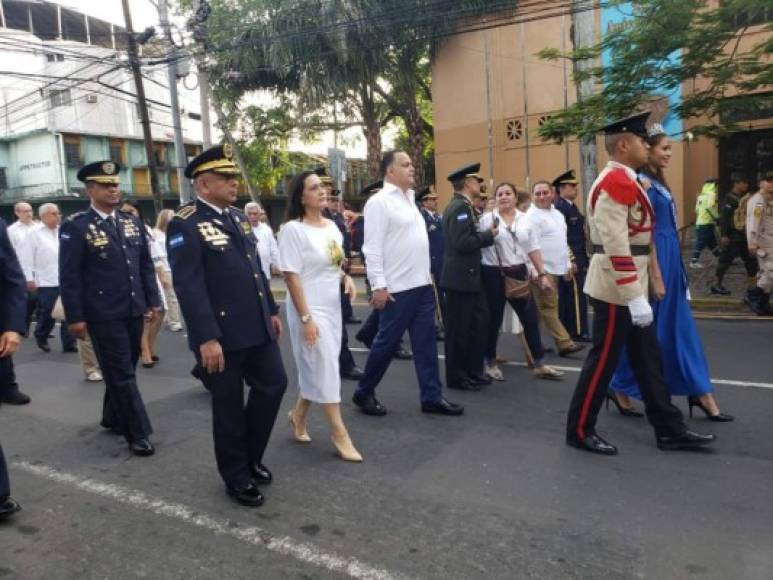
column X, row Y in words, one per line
column 594, row 381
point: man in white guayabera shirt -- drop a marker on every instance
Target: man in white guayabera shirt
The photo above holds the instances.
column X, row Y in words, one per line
column 39, row 256
column 18, row 232
column 268, row 249
column 549, row 225
column 396, row 251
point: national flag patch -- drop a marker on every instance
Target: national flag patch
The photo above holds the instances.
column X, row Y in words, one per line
column 176, row 241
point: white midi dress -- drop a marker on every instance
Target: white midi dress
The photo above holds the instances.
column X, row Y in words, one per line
column 315, row 254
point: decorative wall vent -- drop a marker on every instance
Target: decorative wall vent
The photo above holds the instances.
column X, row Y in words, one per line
column 514, row 129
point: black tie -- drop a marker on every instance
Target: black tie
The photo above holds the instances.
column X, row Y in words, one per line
column 111, row 223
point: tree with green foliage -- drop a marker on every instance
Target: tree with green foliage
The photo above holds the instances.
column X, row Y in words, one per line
column 729, row 74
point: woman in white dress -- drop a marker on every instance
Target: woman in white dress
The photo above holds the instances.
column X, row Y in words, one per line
column 310, row 255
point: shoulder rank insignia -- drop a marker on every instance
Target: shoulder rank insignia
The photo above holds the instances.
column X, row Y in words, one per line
column 186, row 211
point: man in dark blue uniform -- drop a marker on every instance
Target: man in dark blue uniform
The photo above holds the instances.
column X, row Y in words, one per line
column 427, row 200
column 572, row 303
column 13, row 307
column 232, row 320
column 108, row 285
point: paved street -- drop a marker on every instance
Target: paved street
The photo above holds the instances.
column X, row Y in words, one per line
column 494, row 494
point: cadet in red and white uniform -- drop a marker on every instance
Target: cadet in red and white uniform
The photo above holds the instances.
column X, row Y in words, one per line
column 621, row 223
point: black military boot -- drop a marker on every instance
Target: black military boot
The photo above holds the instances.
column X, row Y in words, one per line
column 753, row 298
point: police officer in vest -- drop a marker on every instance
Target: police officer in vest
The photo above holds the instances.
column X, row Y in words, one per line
column 427, row 200
column 108, row 285
column 467, row 311
column 13, row 301
column 572, row 304
column 232, row 320
column 620, row 220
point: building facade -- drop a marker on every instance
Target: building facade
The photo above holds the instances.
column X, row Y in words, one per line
column 67, row 98
column 491, row 92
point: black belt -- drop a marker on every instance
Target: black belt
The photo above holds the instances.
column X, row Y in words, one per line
column 635, row 250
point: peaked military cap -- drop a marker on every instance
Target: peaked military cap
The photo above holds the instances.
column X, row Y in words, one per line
column 100, row 172
column 372, row 188
column 636, row 124
column 323, row 176
column 218, row 159
column 566, row 177
column 767, row 175
column 466, row 171
column 426, row 192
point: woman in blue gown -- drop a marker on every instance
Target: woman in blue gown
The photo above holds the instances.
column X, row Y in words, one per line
column 684, row 363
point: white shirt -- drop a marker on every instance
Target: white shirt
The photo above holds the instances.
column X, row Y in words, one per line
column 39, row 256
column 104, row 215
column 17, row 233
column 549, row 226
column 268, row 249
column 396, row 245
column 513, row 243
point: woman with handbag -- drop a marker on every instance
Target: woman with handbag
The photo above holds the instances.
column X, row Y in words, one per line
column 506, row 273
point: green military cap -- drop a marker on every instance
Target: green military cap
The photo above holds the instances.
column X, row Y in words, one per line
column 426, row 192
column 218, row 159
column 472, row 170
column 567, row 177
column 105, row 172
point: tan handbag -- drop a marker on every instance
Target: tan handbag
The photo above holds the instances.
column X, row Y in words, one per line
column 58, row 311
column 515, row 288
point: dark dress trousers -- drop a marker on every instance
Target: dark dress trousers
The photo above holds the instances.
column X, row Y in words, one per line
column 225, row 296
column 572, row 302
column 346, row 360
column 434, row 224
column 467, row 314
column 107, row 280
column 13, row 309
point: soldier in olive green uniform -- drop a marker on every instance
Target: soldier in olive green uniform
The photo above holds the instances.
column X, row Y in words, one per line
column 466, row 310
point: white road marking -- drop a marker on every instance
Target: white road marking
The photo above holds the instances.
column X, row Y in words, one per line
column 285, row 545
column 730, row 382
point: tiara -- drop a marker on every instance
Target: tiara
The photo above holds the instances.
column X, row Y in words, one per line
column 655, row 129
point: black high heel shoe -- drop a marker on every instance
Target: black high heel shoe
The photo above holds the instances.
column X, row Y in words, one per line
column 624, row 411
column 719, row 417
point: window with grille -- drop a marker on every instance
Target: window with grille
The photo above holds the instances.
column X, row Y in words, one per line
column 514, row 129
column 751, row 17
column 72, row 151
column 543, row 119
column 3, row 179
column 60, row 98
column 117, row 152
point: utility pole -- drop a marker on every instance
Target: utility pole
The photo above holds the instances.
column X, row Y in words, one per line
column 206, row 124
column 583, row 35
column 143, row 107
column 179, row 146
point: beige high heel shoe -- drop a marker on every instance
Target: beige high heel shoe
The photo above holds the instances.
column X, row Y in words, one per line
column 299, row 432
column 345, row 449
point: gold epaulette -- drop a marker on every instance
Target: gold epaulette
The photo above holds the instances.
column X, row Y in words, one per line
column 186, row 211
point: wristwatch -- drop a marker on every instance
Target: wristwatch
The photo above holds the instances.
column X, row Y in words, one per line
column 306, row 318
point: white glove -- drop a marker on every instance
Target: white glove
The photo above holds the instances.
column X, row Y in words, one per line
column 641, row 311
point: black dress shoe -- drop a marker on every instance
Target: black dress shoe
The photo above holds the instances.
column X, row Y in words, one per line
column 403, row 354
column 481, row 379
column 8, row 507
column 261, row 473
column 362, row 340
column 571, row 349
column 43, row 345
column 70, row 349
column 582, row 338
column 16, row 398
column 721, row 290
column 155, row 359
column 465, row 385
column 440, row 336
column 592, row 443
column 142, row 447
column 442, row 407
column 370, row 406
column 687, row 440
column 353, row 374
column 353, row 320
column 248, row 495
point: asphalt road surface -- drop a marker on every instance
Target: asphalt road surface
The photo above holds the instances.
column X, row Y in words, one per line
column 493, row 494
